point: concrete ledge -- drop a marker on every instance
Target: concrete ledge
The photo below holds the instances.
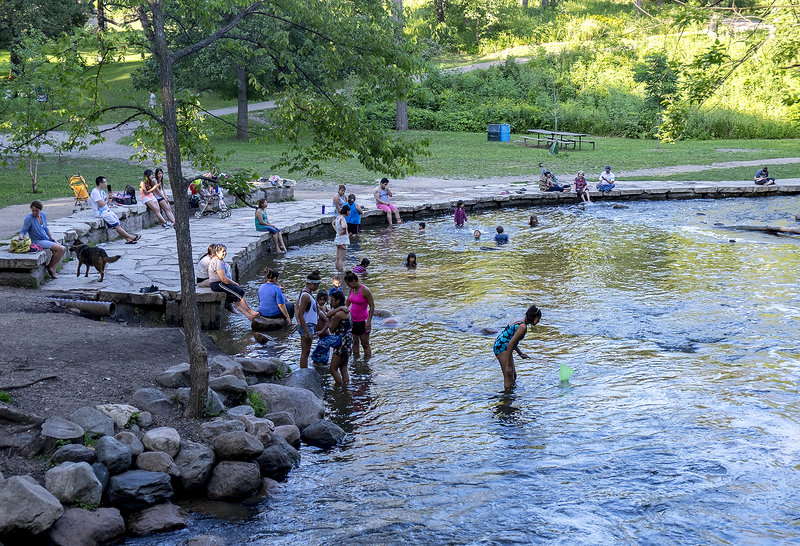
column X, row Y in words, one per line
column 25, row 270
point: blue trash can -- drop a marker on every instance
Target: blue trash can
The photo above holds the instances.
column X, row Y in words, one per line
column 498, row 132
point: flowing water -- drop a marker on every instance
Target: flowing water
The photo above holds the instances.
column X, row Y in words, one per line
column 679, row 425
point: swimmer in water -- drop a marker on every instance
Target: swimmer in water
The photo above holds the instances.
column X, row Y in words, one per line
column 508, row 341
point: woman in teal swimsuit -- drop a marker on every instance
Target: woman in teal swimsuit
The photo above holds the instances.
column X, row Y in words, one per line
column 508, row 341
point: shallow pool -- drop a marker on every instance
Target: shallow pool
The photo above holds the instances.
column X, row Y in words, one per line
column 679, row 425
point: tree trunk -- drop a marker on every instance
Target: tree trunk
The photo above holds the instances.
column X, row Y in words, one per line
column 775, row 230
column 198, row 357
column 545, row 3
column 401, row 117
column 101, row 15
column 638, row 6
column 523, row 3
column 33, row 169
column 439, row 6
column 241, row 116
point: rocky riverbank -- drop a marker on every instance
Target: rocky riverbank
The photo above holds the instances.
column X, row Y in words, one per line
column 95, row 446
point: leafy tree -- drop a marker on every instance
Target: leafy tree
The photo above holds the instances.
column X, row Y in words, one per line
column 660, row 79
column 317, row 121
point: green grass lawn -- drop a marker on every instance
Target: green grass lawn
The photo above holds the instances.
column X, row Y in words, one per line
column 453, row 156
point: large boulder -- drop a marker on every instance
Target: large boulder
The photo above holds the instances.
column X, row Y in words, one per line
column 278, row 459
column 102, row 474
column 239, row 411
column 164, row 439
column 229, row 385
column 211, row 429
column 58, row 430
column 306, row 378
column 195, row 462
column 263, row 367
column 132, row 441
column 115, row 455
column 218, row 363
column 304, row 407
column 138, row 489
column 322, row 434
column 214, row 403
column 74, row 453
column 233, row 480
column 153, row 401
column 156, row 519
column 234, row 369
column 175, row 376
column 290, row 433
column 81, row 527
column 26, row 507
column 157, row 461
column 119, row 413
column 93, row 421
column 73, row 483
column 237, row 446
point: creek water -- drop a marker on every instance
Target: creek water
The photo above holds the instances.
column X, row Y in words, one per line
column 679, row 425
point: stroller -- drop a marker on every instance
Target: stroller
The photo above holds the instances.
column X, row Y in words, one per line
column 209, row 200
column 81, row 191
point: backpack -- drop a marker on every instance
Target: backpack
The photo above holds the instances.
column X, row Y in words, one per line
column 20, row 246
column 131, row 192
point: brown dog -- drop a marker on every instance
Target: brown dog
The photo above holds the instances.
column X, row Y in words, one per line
column 95, row 256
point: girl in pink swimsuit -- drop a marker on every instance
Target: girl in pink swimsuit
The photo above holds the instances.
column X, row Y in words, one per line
column 362, row 309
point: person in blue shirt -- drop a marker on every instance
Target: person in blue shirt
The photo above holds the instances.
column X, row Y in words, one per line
column 354, row 218
column 762, row 177
column 500, row 237
column 271, row 303
column 35, row 225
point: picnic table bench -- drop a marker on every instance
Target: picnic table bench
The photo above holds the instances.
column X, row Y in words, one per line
column 564, row 139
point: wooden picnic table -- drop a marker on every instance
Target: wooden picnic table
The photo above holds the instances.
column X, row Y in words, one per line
column 564, row 139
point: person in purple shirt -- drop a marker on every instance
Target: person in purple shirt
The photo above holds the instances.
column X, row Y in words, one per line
column 35, row 225
column 460, row 216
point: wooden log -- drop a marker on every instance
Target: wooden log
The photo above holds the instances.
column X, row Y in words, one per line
column 775, row 230
column 266, row 324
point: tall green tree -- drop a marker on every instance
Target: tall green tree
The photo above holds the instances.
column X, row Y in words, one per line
column 316, row 118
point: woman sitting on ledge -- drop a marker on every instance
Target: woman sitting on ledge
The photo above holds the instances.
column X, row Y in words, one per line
column 262, row 224
column 219, row 273
column 35, row 225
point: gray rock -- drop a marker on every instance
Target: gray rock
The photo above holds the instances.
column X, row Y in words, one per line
column 214, row 404
column 237, row 446
column 132, row 441
column 154, row 401
column 145, row 419
column 74, row 482
column 290, row 433
column 233, row 480
column 264, row 367
column 164, row 439
column 157, row 461
column 175, row 376
column 156, row 519
column 27, row 507
column 280, row 418
column 229, row 384
column 138, row 489
column 101, row 473
column 115, row 455
column 238, row 411
column 93, row 421
column 278, row 459
column 235, row 370
column 212, row 429
column 383, row 313
column 81, row 527
column 218, row 363
column 306, row 378
column 301, row 404
column 204, row 540
column 74, row 453
column 57, row 428
column 268, row 486
column 322, row 434
column 119, row 413
column 195, row 462
column 259, row 427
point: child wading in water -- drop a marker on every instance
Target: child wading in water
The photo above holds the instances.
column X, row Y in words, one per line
column 460, row 216
column 411, row 261
column 508, row 341
column 361, row 269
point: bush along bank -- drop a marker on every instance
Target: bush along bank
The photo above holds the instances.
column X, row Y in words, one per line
column 117, row 467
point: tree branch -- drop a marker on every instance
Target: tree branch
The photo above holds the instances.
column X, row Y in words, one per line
column 197, row 46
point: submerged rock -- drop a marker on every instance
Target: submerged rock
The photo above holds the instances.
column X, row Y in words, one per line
column 233, row 480
column 324, row 434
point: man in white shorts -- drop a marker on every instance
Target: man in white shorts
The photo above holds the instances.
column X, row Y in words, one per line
column 100, row 200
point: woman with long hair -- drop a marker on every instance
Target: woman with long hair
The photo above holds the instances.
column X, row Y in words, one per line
column 508, row 341
column 262, row 224
column 362, row 309
column 342, row 238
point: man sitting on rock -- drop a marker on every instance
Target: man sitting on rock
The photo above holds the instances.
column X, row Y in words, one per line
column 762, row 177
column 548, row 182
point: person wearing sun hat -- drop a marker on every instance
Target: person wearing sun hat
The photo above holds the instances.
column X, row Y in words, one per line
column 607, row 180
